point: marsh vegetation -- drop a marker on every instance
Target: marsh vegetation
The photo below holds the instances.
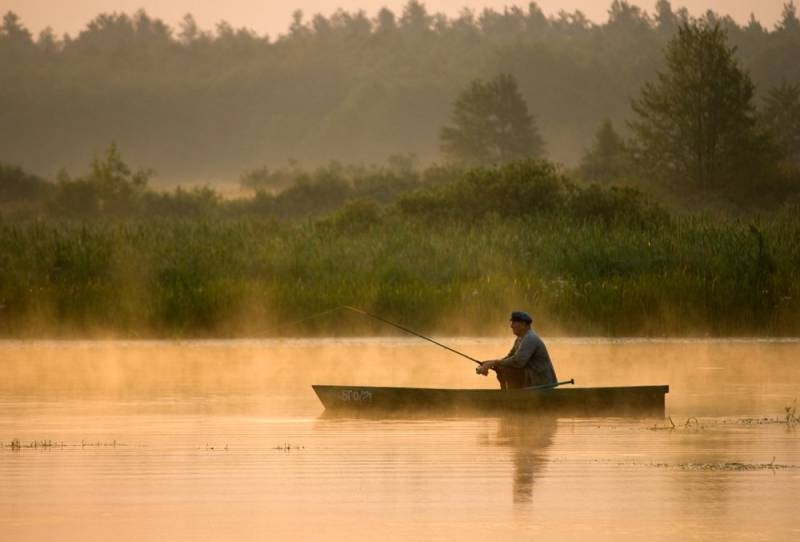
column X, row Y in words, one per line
column 423, row 261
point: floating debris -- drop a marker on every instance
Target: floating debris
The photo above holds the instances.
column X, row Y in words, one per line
column 98, row 444
column 16, row 444
column 790, row 418
column 760, row 421
column 286, row 447
column 727, row 466
column 691, row 424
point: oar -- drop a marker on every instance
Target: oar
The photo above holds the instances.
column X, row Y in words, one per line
column 549, row 386
column 410, row 331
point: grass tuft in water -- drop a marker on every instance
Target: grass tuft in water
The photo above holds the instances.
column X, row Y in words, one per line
column 792, row 419
column 17, row 444
column 727, row 466
column 286, row 447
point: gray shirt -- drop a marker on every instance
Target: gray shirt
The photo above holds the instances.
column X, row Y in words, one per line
column 530, row 353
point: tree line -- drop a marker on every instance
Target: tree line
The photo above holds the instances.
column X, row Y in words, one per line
column 696, row 132
column 343, row 198
column 205, row 105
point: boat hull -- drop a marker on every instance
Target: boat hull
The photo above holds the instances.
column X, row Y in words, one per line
column 641, row 401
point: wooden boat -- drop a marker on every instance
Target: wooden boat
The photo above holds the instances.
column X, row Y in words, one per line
column 641, row 401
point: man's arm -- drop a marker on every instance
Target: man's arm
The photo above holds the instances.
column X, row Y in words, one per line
column 520, row 358
column 517, row 357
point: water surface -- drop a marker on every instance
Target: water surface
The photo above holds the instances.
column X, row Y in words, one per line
column 224, row 440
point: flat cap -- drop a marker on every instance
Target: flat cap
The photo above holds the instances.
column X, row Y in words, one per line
column 521, row 316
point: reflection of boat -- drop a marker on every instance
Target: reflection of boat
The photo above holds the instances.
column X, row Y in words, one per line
column 616, row 401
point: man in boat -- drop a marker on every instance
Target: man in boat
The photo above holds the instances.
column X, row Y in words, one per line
column 527, row 364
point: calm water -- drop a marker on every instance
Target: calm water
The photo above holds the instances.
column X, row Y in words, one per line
column 224, row 440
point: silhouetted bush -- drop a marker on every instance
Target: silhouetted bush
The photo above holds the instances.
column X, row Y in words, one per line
column 22, row 193
column 358, row 216
column 528, row 189
column 110, row 190
column 514, row 190
column 17, row 185
column 627, row 206
column 201, row 202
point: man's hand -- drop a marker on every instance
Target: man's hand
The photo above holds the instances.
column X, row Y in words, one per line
column 483, row 368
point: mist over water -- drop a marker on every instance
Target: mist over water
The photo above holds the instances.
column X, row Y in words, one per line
column 223, row 440
column 718, row 377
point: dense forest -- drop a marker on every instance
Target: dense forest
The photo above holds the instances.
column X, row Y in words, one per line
column 198, row 104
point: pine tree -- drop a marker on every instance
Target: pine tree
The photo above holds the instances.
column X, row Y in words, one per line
column 695, row 123
column 491, row 125
column 781, row 117
column 608, row 160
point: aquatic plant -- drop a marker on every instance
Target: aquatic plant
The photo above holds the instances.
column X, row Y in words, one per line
column 286, row 447
column 670, row 427
column 792, row 419
column 728, row 466
column 692, row 423
column 17, row 444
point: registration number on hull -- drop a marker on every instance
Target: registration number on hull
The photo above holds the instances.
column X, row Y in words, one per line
column 356, row 396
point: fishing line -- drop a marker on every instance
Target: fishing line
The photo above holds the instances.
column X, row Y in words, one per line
column 410, row 331
column 376, row 317
column 307, row 318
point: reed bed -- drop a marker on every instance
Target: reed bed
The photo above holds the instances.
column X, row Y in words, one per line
column 681, row 277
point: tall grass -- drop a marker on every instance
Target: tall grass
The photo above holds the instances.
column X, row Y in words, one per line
column 686, row 276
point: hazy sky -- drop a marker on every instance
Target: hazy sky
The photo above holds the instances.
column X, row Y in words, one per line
column 273, row 17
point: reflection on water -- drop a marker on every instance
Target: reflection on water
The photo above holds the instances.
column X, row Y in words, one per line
column 226, row 441
column 528, row 437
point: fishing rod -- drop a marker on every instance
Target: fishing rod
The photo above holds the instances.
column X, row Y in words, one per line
column 421, row 336
column 410, row 331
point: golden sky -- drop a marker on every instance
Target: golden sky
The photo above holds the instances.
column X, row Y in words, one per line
column 272, row 17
